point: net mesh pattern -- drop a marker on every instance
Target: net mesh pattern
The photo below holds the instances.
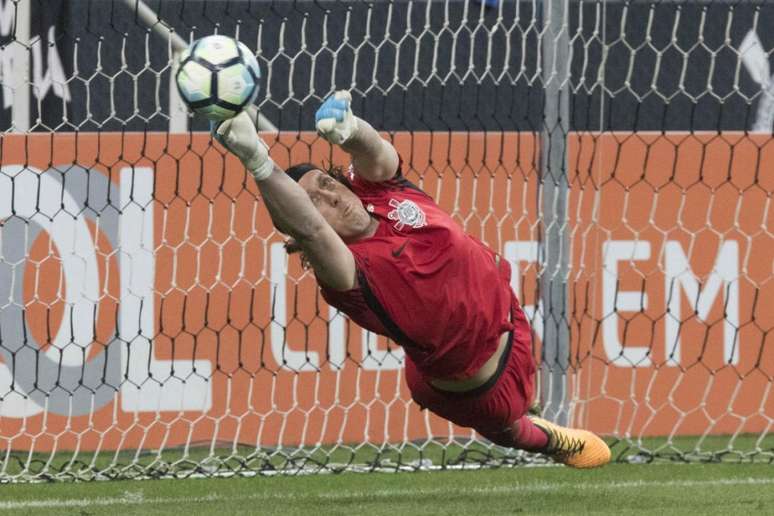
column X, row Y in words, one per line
column 152, row 323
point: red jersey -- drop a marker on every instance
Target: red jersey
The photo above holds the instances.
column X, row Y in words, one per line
column 438, row 292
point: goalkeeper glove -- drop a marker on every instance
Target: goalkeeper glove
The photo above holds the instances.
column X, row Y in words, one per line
column 335, row 121
column 240, row 137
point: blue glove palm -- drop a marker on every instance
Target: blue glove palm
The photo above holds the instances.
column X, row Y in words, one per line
column 334, row 119
column 332, row 108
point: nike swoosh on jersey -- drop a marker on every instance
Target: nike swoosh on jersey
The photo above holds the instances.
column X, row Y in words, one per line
column 396, row 252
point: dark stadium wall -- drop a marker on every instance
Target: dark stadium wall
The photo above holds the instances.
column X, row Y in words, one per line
column 699, row 86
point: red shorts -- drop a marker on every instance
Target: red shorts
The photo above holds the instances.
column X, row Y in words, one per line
column 490, row 412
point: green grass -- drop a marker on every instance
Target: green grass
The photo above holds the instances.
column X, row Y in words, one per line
column 247, row 460
column 243, row 460
column 616, row 489
column 744, row 481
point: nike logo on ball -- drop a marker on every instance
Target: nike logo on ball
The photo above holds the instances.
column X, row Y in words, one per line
column 396, row 252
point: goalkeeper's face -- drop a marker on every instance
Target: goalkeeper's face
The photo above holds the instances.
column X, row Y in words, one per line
column 338, row 205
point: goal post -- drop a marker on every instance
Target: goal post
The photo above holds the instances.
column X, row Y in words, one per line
column 553, row 186
column 615, row 153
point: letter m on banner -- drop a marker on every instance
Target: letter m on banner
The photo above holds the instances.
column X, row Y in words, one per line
column 722, row 281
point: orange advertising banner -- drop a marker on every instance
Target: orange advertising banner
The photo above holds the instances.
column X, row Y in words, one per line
column 147, row 302
column 671, row 283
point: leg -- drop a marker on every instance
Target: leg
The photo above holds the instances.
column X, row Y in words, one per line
column 522, row 434
column 501, row 416
column 569, row 446
column 575, row 448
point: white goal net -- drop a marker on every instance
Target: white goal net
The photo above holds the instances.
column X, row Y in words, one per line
column 618, row 154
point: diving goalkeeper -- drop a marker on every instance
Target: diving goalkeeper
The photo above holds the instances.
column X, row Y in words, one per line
column 386, row 255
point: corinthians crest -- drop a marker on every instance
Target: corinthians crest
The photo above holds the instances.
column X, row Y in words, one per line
column 406, row 213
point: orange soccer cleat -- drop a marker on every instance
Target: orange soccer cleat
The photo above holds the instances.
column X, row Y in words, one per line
column 573, row 447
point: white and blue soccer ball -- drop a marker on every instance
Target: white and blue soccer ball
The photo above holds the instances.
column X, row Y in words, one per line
column 218, row 77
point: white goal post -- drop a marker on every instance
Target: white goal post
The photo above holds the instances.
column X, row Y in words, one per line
column 618, row 154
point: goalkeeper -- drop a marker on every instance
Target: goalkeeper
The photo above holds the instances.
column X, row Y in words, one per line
column 386, row 255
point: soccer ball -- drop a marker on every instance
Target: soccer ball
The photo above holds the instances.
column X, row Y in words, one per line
column 218, row 77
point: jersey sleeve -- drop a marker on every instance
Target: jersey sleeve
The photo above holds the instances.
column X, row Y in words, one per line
column 364, row 188
column 353, row 303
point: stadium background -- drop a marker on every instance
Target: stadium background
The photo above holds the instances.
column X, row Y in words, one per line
column 667, row 199
column 407, row 94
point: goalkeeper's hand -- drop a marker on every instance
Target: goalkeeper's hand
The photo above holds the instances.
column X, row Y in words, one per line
column 240, row 137
column 335, row 121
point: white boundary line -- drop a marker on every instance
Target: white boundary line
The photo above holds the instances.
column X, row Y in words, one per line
column 137, row 497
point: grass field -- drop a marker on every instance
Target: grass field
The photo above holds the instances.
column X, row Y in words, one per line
column 616, row 489
column 745, row 483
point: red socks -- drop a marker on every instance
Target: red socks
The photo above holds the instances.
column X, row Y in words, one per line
column 527, row 436
column 523, row 434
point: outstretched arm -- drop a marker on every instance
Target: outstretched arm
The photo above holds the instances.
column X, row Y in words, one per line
column 373, row 157
column 290, row 208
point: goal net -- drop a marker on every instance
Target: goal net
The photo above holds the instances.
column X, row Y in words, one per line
column 618, row 154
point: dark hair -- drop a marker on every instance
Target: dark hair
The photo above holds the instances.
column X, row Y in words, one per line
column 296, row 172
